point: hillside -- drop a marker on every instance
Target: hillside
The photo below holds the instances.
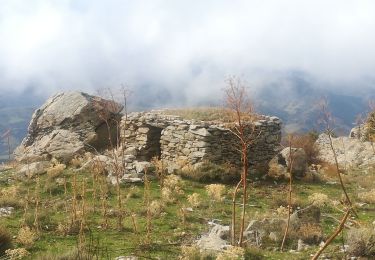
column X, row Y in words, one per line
column 15, row 113
column 170, row 188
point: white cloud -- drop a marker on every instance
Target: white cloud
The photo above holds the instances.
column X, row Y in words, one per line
column 186, row 47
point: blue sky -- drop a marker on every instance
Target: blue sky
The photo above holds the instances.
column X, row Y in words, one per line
column 185, row 48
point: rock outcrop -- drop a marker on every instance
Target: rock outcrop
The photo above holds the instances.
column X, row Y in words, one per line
column 360, row 132
column 351, row 152
column 68, row 124
column 280, row 164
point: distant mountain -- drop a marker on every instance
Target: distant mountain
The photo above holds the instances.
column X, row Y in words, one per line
column 293, row 97
column 297, row 104
column 16, row 110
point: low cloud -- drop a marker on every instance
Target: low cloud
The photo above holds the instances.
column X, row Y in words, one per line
column 183, row 49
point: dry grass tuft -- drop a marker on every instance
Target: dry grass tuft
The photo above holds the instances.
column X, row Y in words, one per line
column 56, row 170
column 26, row 237
column 216, row 191
column 319, row 199
column 195, row 200
column 232, row 253
column 172, row 188
column 361, row 242
column 156, row 208
column 18, row 253
column 367, row 196
column 193, row 253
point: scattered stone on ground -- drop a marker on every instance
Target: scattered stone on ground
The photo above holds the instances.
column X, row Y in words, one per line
column 34, row 168
column 215, row 239
column 6, row 211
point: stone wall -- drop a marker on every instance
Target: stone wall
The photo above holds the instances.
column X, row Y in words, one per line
column 177, row 141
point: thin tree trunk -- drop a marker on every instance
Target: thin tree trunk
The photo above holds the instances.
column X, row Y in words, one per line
column 290, row 195
column 244, row 198
column 333, row 236
column 339, row 176
column 233, row 231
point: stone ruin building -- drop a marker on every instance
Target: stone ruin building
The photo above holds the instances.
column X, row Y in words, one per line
column 72, row 123
column 177, row 141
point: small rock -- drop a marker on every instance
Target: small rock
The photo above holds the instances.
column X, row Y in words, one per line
column 215, row 239
column 34, row 168
column 6, row 211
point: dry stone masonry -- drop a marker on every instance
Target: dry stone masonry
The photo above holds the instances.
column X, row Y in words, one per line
column 181, row 142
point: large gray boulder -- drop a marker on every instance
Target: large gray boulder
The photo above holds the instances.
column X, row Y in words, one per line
column 67, row 124
column 279, row 166
column 216, row 239
column 351, row 152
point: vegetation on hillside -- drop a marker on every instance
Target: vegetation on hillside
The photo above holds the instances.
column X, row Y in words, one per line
column 65, row 212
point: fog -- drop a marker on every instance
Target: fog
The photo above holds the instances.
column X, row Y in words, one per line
column 181, row 51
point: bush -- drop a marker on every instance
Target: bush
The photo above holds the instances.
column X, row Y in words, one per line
column 5, row 240
column 194, row 200
column 216, row 191
column 232, row 253
column 26, row 237
column 367, row 196
column 370, row 123
column 10, row 202
column 361, row 242
column 208, row 172
column 306, row 142
column 193, row 253
column 319, row 199
column 18, row 253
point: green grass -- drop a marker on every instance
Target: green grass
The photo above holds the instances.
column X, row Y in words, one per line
column 168, row 231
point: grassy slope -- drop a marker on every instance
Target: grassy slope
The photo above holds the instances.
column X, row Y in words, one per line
column 168, row 232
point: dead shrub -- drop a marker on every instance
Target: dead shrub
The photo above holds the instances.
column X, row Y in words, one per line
column 71, row 228
column 311, row 233
column 208, row 172
column 193, row 253
column 18, row 253
column 76, row 162
column 56, row 170
column 319, row 199
column 11, row 191
column 232, row 253
column 10, row 202
column 277, row 172
column 133, row 192
column 306, row 142
column 156, row 208
column 279, row 199
column 361, row 242
column 195, row 200
column 26, row 237
column 367, row 196
column 216, row 191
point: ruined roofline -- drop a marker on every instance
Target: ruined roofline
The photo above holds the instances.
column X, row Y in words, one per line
column 160, row 117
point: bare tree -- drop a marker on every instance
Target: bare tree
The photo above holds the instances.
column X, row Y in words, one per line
column 241, row 112
column 327, row 121
column 118, row 146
